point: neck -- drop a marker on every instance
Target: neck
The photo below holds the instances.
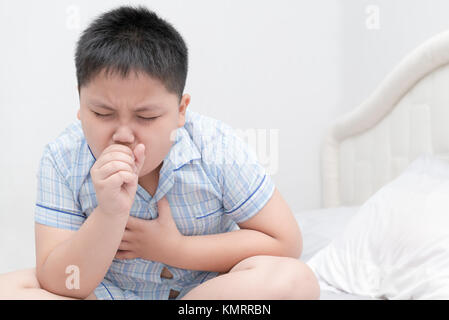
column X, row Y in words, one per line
column 150, row 181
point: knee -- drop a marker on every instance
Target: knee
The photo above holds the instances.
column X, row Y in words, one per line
column 290, row 278
column 16, row 281
column 298, row 279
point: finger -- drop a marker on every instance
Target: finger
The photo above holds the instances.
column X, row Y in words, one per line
column 132, row 223
column 121, row 255
column 139, row 152
column 124, row 246
column 127, row 236
column 163, row 202
column 118, row 179
column 114, row 156
column 163, row 207
column 118, row 147
column 113, row 167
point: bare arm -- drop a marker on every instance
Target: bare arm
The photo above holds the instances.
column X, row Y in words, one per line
column 272, row 231
column 91, row 249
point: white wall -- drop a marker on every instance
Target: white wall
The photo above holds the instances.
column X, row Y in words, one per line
column 286, row 65
column 371, row 51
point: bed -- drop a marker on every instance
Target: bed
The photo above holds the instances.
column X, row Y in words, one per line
column 405, row 117
column 318, row 228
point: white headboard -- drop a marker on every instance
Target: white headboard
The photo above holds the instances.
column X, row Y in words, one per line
column 408, row 114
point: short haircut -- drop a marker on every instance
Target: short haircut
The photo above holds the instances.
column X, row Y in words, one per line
column 132, row 39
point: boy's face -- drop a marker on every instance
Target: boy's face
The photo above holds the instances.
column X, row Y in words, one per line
column 118, row 101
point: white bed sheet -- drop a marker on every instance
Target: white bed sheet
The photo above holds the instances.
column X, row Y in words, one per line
column 318, row 228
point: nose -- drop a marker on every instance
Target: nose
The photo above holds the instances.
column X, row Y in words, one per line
column 124, row 136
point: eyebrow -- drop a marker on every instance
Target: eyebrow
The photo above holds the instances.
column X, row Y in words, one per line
column 144, row 108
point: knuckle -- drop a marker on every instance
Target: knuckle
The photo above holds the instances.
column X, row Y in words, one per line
column 105, row 156
column 115, row 165
column 121, row 174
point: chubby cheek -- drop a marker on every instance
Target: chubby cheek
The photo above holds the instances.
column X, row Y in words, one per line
column 97, row 143
column 155, row 153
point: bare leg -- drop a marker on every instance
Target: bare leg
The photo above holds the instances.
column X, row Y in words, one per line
column 261, row 277
column 23, row 285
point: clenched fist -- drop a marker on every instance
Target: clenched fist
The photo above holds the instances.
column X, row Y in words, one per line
column 115, row 175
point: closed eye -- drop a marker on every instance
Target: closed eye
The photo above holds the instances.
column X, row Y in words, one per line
column 99, row 115
column 148, row 119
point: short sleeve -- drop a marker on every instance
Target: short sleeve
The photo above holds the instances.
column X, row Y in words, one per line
column 55, row 202
column 246, row 186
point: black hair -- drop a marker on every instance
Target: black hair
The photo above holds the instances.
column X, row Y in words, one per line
column 132, row 39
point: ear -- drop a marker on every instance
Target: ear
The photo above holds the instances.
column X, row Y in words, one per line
column 182, row 109
column 78, row 115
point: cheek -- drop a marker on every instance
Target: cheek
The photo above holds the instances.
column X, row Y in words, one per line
column 156, row 150
column 94, row 138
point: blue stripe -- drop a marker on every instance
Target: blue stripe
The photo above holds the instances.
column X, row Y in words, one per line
column 72, row 214
column 91, row 153
column 204, row 278
column 209, row 214
column 108, row 291
column 179, row 167
column 249, row 196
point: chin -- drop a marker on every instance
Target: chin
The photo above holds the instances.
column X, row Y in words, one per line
column 143, row 173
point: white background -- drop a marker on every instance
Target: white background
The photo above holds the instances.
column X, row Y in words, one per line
column 287, row 65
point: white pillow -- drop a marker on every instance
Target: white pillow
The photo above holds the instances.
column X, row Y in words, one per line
column 397, row 245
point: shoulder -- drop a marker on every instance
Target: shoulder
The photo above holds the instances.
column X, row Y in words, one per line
column 212, row 137
column 67, row 146
column 204, row 129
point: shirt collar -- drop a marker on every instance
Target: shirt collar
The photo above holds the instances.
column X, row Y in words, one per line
column 182, row 151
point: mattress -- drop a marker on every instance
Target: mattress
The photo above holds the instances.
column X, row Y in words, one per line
column 318, row 228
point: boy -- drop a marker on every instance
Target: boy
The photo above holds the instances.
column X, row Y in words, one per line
column 143, row 199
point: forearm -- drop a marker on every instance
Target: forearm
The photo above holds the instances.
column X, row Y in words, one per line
column 220, row 252
column 91, row 250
